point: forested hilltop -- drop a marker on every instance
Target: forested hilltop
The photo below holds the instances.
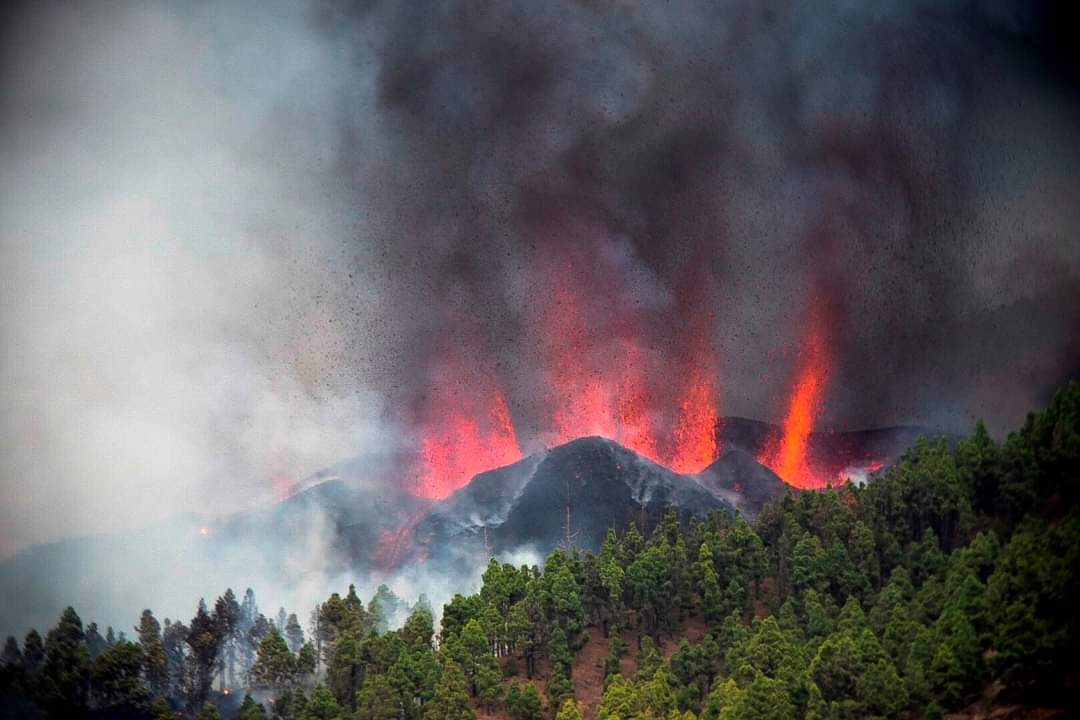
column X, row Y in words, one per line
column 945, row 585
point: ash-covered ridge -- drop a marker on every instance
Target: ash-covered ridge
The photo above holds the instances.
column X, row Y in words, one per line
column 571, row 493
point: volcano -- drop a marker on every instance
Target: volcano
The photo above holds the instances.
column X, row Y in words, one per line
column 572, row 493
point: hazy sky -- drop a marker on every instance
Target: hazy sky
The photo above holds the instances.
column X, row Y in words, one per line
column 234, row 237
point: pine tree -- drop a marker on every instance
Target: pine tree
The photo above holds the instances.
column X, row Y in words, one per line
column 204, row 640
column 712, row 598
column 612, row 580
column 489, row 689
column 644, row 582
column 251, row 710
column 227, row 614
column 33, row 652
column 116, row 679
column 322, row 705
column 616, row 649
column 880, row 691
column 377, row 700
column 208, row 712
column 863, row 554
column 12, row 656
column 723, row 701
column 560, row 687
column 153, row 651
column 174, row 640
column 160, row 710
column 472, row 652
column 765, row 699
column 807, row 565
column 419, row 629
column 657, row 695
column 344, row 671
column 275, row 667
column 569, row 710
column 305, row 663
column 66, row 673
column 649, row 659
column 95, row 644
column 451, row 700
column 524, row 704
column 294, row 634
column 835, row 668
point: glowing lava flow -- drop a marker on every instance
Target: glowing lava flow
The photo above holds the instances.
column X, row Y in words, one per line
column 788, row 457
column 580, row 403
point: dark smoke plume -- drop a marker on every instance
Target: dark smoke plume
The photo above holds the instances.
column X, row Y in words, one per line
column 720, row 169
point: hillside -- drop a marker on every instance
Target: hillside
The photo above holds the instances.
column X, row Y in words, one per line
column 942, row 589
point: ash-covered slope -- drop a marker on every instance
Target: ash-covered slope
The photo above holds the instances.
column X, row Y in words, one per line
column 742, row 481
column 524, row 505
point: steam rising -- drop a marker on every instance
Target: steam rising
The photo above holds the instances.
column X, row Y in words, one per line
column 242, row 242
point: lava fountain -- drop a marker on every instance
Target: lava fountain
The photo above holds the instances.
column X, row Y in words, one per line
column 788, row 456
column 468, row 430
column 597, row 376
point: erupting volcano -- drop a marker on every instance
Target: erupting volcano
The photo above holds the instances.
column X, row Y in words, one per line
column 604, row 353
column 462, row 443
column 695, row 432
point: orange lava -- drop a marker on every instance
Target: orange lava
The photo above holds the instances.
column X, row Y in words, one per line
column 634, row 428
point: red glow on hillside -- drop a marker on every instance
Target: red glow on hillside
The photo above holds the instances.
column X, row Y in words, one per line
column 395, row 544
column 788, row 457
